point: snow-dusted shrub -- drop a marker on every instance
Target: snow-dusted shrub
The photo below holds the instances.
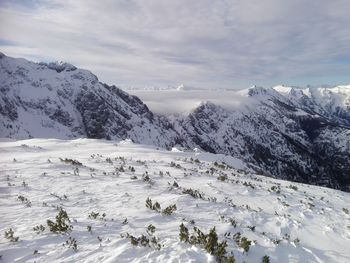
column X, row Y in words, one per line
column 145, row 241
column 193, row 193
column 220, row 165
column 39, row 229
column 265, row 259
column 62, row 224
column 156, row 207
column 151, row 229
column 150, row 205
column 293, row 187
column 24, row 200
column 275, row 189
column 184, row 234
column 245, row 244
column 10, row 235
column 94, row 215
column 169, row 210
column 207, row 241
column 222, row 178
column 71, row 242
column 242, row 242
column 249, row 185
column 71, row 161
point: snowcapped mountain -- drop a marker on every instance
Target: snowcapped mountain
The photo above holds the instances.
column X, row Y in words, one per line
column 299, row 134
column 293, row 135
column 59, row 100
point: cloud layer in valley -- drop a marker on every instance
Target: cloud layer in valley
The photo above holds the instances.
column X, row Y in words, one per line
column 221, row 44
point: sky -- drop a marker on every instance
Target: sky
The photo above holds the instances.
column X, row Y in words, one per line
column 209, row 44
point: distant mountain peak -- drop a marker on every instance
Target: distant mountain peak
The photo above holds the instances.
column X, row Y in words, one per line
column 59, row 66
column 299, row 134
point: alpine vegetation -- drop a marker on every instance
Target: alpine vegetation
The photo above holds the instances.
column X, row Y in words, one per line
column 199, row 207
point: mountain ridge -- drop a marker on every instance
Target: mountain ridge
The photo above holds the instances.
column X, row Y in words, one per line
column 299, row 134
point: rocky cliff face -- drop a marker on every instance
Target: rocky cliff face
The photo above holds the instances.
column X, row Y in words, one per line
column 285, row 136
column 290, row 133
column 59, row 100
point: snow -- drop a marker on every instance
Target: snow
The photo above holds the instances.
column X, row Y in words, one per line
column 315, row 215
column 283, row 89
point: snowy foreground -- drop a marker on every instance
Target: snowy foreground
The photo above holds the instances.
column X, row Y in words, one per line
column 104, row 194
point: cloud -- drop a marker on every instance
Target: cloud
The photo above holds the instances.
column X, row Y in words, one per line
column 201, row 43
column 173, row 101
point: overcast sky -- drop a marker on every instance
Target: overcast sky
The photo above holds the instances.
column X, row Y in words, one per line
column 204, row 43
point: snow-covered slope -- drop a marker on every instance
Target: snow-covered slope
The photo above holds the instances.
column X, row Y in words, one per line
column 299, row 134
column 103, row 187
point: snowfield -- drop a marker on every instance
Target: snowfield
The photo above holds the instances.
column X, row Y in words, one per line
column 103, row 187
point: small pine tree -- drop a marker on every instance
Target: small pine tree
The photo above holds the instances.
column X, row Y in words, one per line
column 62, row 223
column 184, row 235
column 212, row 241
column 230, row 259
column 169, row 210
column 245, row 244
column 10, row 235
column 151, row 229
column 265, row 259
column 221, row 249
column 149, row 203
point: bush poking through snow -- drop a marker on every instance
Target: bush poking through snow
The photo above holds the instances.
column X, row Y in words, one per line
column 184, row 234
column 144, row 241
column 94, row 215
column 242, row 242
column 156, row 207
column 10, row 235
column 193, row 193
column 230, row 259
column 151, row 229
column 296, row 241
column 71, row 161
column 276, row 189
column 62, row 224
column 150, row 205
column 207, row 241
column 39, row 229
column 169, row 210
column 293, row 187
column 71, row 242
column 265, row 259
column 24, row 200
column 222, row 178
column 245, row 244
column 252, row 228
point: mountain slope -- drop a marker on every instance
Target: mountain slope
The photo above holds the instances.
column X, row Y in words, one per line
column 290, row 137
column 59, row 100
column 103, row 187
column 299, row 134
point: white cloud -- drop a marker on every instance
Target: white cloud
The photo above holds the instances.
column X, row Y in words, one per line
column 172, row 101
column 201, row 43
